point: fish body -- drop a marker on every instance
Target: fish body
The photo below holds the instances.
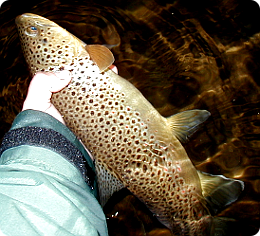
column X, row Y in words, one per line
column 133, row 145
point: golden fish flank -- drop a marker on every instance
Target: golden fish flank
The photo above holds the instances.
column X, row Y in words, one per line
column 134, row 146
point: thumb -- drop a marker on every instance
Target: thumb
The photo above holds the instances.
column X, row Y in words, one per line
column 60, row 81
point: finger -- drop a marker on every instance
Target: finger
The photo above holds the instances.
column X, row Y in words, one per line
column 41, row 87
column 113, row 68
column 60, row 81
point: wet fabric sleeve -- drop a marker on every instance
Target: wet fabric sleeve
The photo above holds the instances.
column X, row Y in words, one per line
column 47, row 181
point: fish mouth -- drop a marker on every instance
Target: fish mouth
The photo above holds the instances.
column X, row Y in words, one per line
column 33, row 17
column 18, row 20
column 21, row 18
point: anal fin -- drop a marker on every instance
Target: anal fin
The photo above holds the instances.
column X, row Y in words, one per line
column 184, row 124
column 219, row 191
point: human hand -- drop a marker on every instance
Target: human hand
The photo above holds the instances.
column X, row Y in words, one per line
column 40, row 91
column 113, row 68
column 41, row 88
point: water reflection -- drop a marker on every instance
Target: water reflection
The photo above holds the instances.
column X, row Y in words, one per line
column 181, row 55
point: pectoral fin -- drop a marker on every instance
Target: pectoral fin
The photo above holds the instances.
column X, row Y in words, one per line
column 101, row 55
column 184, row 124
column 219, row 191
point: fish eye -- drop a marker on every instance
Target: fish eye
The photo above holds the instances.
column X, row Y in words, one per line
column 32, row 31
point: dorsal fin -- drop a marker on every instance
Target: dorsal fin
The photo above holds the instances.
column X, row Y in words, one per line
column 219, row 191
column 101, row 55
column 184, row 124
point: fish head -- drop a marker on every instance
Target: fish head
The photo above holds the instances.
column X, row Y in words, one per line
column 47, row 46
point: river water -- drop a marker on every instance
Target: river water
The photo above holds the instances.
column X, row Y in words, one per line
column 181, row 55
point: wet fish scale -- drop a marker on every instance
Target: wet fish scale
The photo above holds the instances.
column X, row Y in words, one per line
column 129, row 139
column 119, row 139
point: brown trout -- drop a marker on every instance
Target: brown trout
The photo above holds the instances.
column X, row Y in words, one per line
column 133, row 145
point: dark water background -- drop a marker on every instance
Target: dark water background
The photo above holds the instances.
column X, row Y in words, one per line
column 181, row 55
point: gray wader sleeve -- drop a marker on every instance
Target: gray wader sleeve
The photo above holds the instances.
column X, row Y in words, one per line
column 47, row 181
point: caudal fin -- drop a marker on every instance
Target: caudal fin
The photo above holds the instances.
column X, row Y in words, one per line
column 222, row 226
